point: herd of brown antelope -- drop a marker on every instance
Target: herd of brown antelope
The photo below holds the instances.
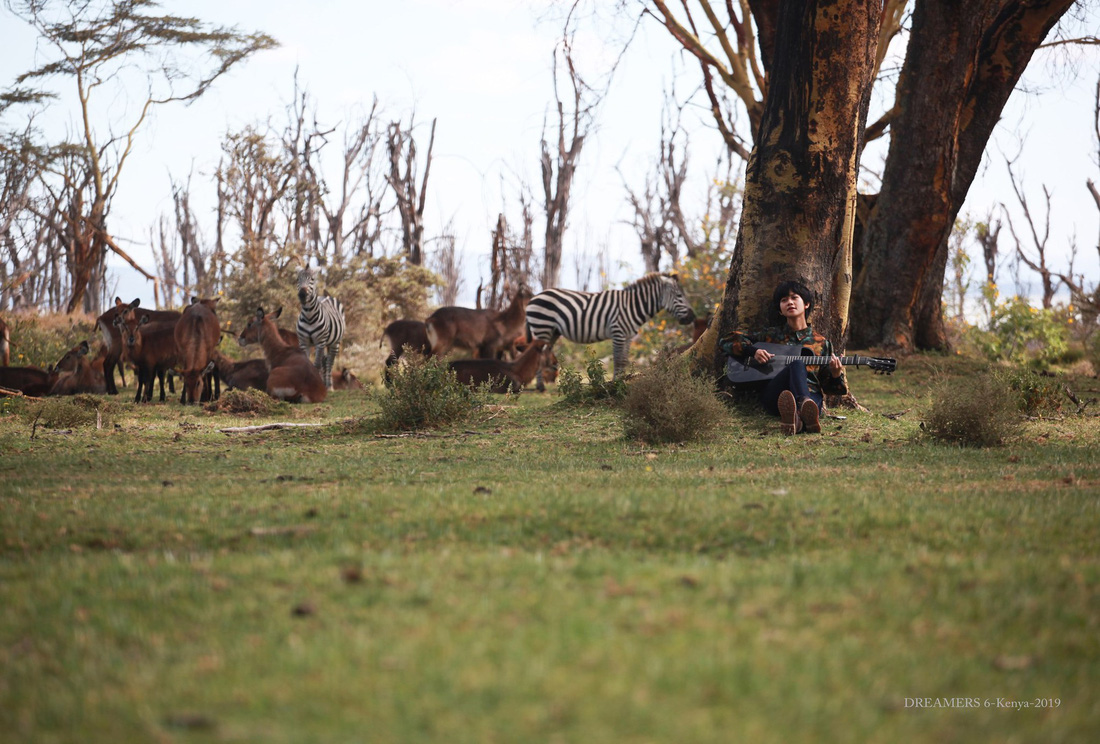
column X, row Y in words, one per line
column 491, row 335
column 157, row 342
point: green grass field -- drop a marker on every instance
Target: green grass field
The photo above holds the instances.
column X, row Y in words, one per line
column 532, row 576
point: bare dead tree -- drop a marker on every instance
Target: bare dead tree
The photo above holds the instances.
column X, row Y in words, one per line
column 403, row 180
column 253, row 176
column 1086, row 298
column 1051, row 281
column 168, row 261
column 958, row 261
column 512, row 261
column 445, row 262
column 988, row 234
column 558, row 166
column 362, row 229
column 722, row 210
column 658, row 216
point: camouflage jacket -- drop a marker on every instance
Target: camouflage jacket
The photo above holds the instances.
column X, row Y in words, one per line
column 741, row 344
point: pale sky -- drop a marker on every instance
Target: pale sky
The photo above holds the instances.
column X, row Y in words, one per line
column 482, row 67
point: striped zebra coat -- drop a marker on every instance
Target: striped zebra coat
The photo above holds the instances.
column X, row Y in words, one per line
column 320, row 324
column 617, row 314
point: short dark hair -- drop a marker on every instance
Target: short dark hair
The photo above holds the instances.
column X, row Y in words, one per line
column 800, row 289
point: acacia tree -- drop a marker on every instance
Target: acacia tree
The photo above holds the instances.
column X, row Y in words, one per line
column 100, row 48
column 799, row 206
column 963, row 61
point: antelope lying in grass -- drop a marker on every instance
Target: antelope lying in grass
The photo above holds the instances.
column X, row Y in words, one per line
column 291, row 376
column 76, row 373
column 251, row 373
column 345, row 379
column 502, row 377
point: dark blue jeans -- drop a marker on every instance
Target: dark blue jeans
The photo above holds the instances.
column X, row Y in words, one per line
column 792, row 378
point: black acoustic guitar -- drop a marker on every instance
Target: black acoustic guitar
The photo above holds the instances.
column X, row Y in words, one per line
column 739, row 372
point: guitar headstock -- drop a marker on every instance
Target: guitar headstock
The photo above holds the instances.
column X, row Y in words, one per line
column 881, row 365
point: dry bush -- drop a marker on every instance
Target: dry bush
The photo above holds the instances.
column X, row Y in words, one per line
column 667, row 403
column 254, row 402
column 424, row 393
column 981, row 411
column 71, row 412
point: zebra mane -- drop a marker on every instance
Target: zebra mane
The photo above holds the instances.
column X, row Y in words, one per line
column 652, row 278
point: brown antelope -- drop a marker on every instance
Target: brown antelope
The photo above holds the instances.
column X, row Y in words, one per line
column 549, row 358
column 290, row 338
column 345, row 379
column 403, row 333
column 5, row 344
column 197, row 334
column 76, row 373
column 109, row 330
column 503, row 377
column 31, row 381
column 292, row 377
column 151, row 347
column 699, row 327
column 485, row 332
column 251, row 373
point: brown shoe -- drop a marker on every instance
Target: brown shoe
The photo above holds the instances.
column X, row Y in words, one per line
column 789, row 421
column 811, row 421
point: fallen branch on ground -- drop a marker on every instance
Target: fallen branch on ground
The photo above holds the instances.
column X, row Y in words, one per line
column 263, row 427
column 16, row 394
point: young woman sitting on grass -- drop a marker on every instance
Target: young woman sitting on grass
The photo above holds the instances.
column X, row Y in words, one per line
column 795, row 394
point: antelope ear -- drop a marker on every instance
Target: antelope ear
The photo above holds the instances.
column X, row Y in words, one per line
column 260, row 312
column 83, row 348
column 279, row 311
column 135, row 303
column 194, row 299
column 118, row 301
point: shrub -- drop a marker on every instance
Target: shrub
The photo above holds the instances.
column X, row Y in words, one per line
column 424, row 393
column 1033, row 392
column 667, row 403
column 575, row 391
column 255, row 402
column 979, row 412
column 1022, row 334
column 71, row 413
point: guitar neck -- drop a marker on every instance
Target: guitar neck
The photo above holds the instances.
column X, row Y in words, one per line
column 847, row 361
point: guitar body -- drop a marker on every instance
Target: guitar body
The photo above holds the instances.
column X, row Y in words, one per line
column 740, row 373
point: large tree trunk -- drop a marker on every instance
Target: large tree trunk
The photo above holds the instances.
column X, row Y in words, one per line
column 964, row 59
column 800, row 183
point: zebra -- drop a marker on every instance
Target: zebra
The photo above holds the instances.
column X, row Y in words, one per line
column 587, row 317
column 320, row 324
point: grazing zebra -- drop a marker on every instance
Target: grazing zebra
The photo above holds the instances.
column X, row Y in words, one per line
column 587, row 317
column 320, row 324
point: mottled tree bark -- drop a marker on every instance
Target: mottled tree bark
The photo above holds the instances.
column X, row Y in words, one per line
column 964, row 59
column 800, row 183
